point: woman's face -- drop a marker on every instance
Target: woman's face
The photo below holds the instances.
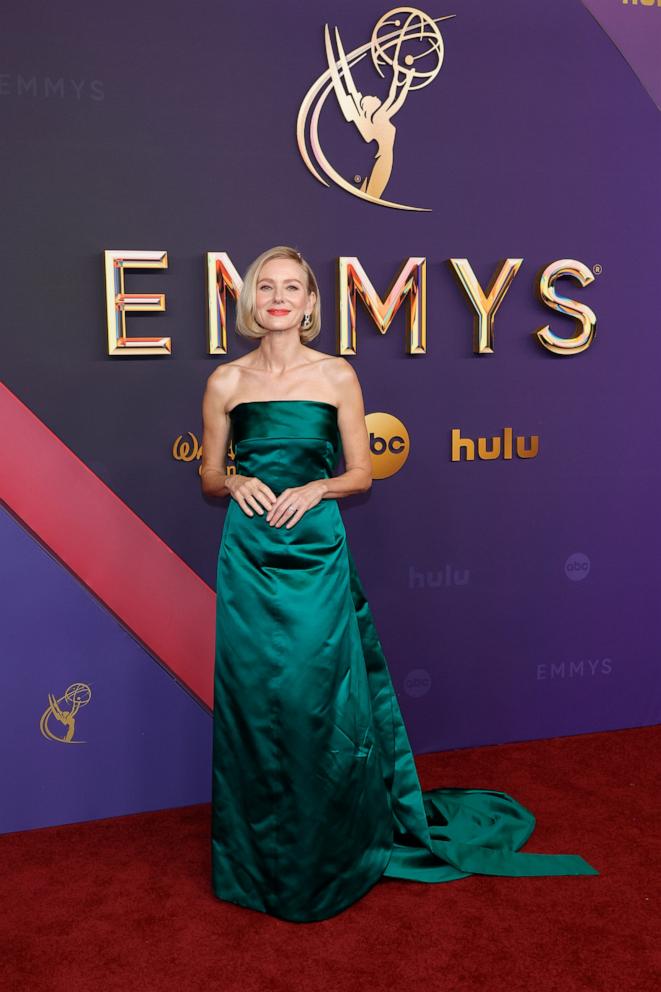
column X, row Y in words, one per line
column 281, row 296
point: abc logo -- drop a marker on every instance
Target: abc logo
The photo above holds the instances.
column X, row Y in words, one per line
column 417, row 682
column 577, row 566
column 389, row 444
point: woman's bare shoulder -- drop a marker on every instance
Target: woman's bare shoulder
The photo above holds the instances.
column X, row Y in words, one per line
column 335, row 363
column 341, row 370
column 230, row 372
column 334, row 369
column 224, row 379
column 342, row 381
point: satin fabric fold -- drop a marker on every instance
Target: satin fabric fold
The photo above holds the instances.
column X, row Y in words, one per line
column 315, row 791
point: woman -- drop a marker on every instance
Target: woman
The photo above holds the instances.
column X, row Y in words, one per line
column 315, row 790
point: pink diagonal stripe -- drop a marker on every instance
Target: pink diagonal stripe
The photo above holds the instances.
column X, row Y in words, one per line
column 149, row 588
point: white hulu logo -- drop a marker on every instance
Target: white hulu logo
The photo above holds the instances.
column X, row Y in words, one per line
column 490, row 448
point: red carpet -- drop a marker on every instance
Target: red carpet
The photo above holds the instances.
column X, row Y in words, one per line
column 125, row 904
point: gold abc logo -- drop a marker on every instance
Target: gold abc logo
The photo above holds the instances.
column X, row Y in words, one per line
column 389, row 444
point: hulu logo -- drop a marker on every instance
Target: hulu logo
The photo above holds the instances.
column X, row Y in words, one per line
column 496, row 447
column 448, row 576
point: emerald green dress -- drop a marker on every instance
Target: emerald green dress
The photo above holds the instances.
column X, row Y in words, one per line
column 315, row 789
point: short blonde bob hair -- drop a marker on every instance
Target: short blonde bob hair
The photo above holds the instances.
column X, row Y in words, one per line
column 246, row 324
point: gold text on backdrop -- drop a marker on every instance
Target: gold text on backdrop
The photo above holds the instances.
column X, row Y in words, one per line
column 586, row 317
column 119, row 303
column 485, row 302
column 353, row 282
column 463, row 448
column 409, row 281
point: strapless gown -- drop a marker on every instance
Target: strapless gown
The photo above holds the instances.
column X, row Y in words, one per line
column 315, row 789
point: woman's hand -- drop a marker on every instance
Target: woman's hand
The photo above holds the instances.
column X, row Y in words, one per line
column 249, row 491
column 292, row 503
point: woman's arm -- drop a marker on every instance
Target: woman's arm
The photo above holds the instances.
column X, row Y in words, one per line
column 215, row 436
column 355, row 441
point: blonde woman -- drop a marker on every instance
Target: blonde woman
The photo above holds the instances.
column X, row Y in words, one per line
column 315, row 790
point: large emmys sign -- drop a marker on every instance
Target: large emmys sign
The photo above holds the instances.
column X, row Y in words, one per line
column 353, row 282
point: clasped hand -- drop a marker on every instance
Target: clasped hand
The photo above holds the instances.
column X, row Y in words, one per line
column 252, row 494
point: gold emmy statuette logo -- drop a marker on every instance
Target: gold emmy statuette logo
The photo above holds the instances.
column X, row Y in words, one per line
column 64, row 710
column 389, row 444
column 409, row 42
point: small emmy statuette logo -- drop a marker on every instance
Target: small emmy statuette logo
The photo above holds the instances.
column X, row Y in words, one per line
column 63, row 711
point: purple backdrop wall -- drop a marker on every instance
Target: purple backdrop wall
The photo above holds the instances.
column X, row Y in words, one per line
column 175, row 129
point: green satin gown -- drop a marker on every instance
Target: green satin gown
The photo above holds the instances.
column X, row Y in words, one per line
column 315, row 789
